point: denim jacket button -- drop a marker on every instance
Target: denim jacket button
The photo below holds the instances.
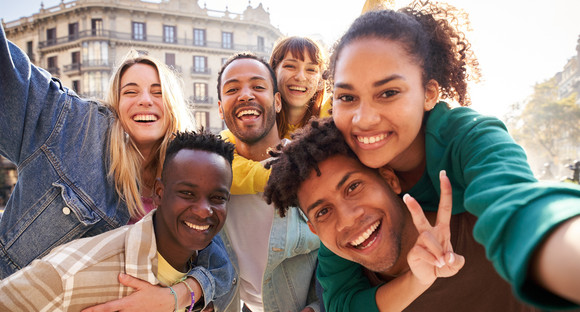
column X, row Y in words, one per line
column 234, row 281
column 66, row 210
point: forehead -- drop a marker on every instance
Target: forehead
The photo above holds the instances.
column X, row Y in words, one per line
column 243, row 70
column 197, row 165
column 140, row 71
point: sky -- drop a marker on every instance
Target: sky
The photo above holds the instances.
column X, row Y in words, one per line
column 518, row 42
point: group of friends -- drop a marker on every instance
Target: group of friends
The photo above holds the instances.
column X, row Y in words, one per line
column 348, row 185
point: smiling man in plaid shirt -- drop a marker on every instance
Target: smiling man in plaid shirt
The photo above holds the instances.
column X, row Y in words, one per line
column 179, row 236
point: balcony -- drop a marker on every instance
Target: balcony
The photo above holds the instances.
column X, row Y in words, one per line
column 125, row 37
column 55, row 71
column 72, row 69
column 200, row 100
column 200, row 72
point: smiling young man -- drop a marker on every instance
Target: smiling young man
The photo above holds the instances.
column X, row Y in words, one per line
column 177, row 237
column 358, row 216
column 275, row 257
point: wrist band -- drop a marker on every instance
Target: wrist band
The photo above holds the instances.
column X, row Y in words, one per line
column 192, row 295
column 174, row 296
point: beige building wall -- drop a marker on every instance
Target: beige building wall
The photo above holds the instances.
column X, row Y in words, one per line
column 81, row 41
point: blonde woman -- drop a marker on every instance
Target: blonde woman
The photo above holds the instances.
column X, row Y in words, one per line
column 85, row 168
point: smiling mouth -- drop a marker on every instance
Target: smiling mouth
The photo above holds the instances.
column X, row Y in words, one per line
column 366, row 238
column 196, row 227
column 297, row 88
column 145, row 118
column 371, row 139
column 248, row 112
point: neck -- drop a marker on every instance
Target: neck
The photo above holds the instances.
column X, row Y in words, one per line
column 258, row 151
column 295, row 114
column 410, row 165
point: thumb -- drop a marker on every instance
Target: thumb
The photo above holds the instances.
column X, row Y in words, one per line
column 133, row 282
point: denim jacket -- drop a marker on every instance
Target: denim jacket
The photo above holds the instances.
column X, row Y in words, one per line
column 59, row 143
column 288, row 282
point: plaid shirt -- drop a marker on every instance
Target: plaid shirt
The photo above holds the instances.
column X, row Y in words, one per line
column 84, row 272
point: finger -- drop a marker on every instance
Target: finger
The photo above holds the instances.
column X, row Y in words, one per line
column 110, row 306
column 133, row 282
column 445, row 202
column 417, row 214
column 432, row 245
column 420, row 254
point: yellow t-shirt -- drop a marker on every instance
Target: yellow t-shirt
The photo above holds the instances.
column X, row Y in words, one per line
column 167, row 275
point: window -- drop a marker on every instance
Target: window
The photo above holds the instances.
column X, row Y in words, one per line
column 73, row 31
column 76, row 84
column 97, row 27
column 51, row 36
column 199, row 37
column 75, row 57
column 52, row 65
column 30, row 50
column 169, row 34
column 260, row 43
column 227, row 40
column 200, row 93
column 202, row 119
column 224, row 60
column 139, row 31
column 170, row 59
column 200, row 64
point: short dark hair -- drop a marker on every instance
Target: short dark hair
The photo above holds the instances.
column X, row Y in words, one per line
column 245, row 55
column 295, row 161
column 202, row 140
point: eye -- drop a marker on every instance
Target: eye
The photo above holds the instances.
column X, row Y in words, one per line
column 346, row 98
column 219, row 199
column 260, row 87
column 353, row 187
column 230, row 90
column 186, row 194
column 321, row 213
column 390, row 93
column 288, row 66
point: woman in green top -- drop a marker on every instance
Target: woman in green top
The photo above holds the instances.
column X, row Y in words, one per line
column 390, row 71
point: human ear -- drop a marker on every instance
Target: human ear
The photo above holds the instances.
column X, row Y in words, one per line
column 431, row 94
column 278, row 102
column 220, row 110
column 158, row 189
column 391, row 178
column 311, row 227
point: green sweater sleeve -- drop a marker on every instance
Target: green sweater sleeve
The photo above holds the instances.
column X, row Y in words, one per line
column 492, row 180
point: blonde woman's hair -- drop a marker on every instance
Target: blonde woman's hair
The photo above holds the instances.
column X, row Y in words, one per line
column 297, row 47
column 126, row 159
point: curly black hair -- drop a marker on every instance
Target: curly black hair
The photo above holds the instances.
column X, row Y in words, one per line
column 202, row 140
column 294, row 162
column 431, row 34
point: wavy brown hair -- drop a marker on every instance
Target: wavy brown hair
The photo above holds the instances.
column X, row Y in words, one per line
column 432, row 34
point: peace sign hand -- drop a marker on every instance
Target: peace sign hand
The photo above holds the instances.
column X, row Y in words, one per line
column 432, row 255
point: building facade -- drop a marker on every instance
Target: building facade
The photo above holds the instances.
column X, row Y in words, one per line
column 568, row 80
column 81, row 41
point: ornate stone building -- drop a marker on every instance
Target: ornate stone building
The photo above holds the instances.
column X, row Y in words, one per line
column 80, row 42
column 568, row 79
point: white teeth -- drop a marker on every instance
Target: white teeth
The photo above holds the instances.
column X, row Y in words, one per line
column 148, row 117
column 197, row 227
column 248, row 112
column 297, row 88
column 366, row 234
column 371, row 139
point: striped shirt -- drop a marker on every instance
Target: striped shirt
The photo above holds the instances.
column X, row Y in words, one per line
column 84, row 272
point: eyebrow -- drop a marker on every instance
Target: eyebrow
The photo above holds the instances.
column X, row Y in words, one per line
column 251, row 79
column 338, row 186
column 135, row 84
column 376, row 84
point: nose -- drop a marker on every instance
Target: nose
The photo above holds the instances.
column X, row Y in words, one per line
column 347, row 216
column 202, row 209
column 146, row 99
column 246, row 94
column 366, row 116
column 300, row 75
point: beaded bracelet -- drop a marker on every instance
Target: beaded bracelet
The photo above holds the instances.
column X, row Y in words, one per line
column 174, row 296
column 192, row 295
